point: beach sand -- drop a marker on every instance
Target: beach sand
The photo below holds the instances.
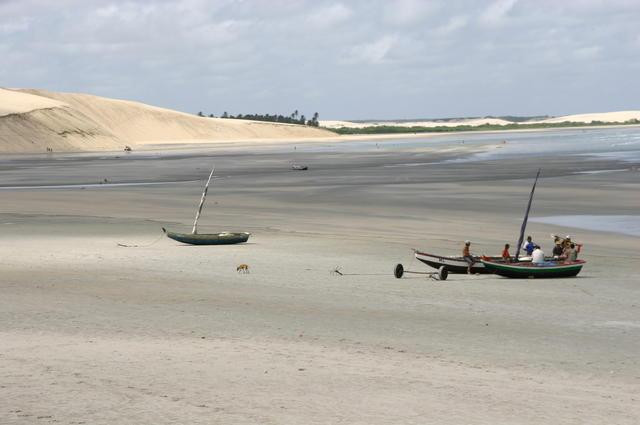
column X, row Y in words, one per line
column 97, row 333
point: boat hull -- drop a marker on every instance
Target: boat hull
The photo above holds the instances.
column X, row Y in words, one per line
column 224, row 238
column 546, row 270
column 452, row 264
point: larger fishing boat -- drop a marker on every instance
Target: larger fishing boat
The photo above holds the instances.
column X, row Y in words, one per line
column 530, row 269
column 195, row 238
column 548, row 269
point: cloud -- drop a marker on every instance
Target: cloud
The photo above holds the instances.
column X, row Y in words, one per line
column 404, row 12
column 587, row 53
column 374, row 52
column 353, row 59
column 329, row 16
column 17, row 26
column 495, row 13
column 454, row 24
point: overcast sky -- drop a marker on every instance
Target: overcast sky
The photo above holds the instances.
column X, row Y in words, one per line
column 343, row 59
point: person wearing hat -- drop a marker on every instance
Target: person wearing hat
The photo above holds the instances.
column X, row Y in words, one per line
column 558, row 249
column 466, row 255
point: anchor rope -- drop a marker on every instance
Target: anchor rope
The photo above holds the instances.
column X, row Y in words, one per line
column 142, row 246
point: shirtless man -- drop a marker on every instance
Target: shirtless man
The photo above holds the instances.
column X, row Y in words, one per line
column 466, row 255
column 505, row 253
column 570, row 254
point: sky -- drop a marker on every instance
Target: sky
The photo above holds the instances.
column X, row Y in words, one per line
column 374, row 59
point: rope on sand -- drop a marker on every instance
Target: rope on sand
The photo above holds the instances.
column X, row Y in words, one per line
column 142, row 246
column 336, row 271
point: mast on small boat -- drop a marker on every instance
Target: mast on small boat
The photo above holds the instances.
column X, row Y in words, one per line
column 204, row 195
column 523, row 228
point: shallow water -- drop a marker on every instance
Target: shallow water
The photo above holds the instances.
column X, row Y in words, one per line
column 608, row 143
column 623, row 224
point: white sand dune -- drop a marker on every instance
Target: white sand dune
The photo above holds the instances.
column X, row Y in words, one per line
column 32, row 120
column 15, row 102
column 473, row 122
column 620, row 117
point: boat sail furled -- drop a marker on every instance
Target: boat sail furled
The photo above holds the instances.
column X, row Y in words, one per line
column 195, row 238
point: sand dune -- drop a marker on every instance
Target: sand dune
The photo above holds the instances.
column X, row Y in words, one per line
column 32, row 120
column 472, row 122
column 15, row 102
column 620, row 116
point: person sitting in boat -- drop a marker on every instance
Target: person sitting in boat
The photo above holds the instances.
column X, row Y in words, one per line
column 558, row 249
column 528, row 246
column 537, row 256
column 565, row 243
column 570, row 254
column 505, row 253
column 466, row 255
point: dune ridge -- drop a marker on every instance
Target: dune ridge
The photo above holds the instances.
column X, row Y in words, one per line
column 609, row 117
column 33, row 120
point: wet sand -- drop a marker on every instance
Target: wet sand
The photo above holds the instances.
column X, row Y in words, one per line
column 93, row 332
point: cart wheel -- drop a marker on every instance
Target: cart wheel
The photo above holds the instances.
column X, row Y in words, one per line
column 443, row 273
column 399, row 271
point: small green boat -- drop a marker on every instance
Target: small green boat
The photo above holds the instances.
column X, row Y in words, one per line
column 224, row 238
column 523, row 270
column 195, row 238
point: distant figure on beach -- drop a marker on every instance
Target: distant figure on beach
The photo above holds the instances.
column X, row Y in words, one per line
column 528, row 245
column 466, row 255
column 505, row 253
column 537, row 256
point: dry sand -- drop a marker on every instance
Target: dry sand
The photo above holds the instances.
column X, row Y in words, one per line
column 96, row 333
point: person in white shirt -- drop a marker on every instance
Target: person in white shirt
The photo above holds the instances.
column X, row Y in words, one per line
column 537, row 255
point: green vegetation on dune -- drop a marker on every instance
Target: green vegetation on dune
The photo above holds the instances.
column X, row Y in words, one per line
column 294, row 118
column 392, row 129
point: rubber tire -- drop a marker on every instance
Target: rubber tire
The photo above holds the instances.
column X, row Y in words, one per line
column 443, row 273
column 398, row 271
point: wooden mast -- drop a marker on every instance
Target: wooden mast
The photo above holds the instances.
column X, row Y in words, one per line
column 204, row 195
column 526, row 217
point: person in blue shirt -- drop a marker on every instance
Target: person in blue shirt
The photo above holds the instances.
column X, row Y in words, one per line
column 528, row 245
